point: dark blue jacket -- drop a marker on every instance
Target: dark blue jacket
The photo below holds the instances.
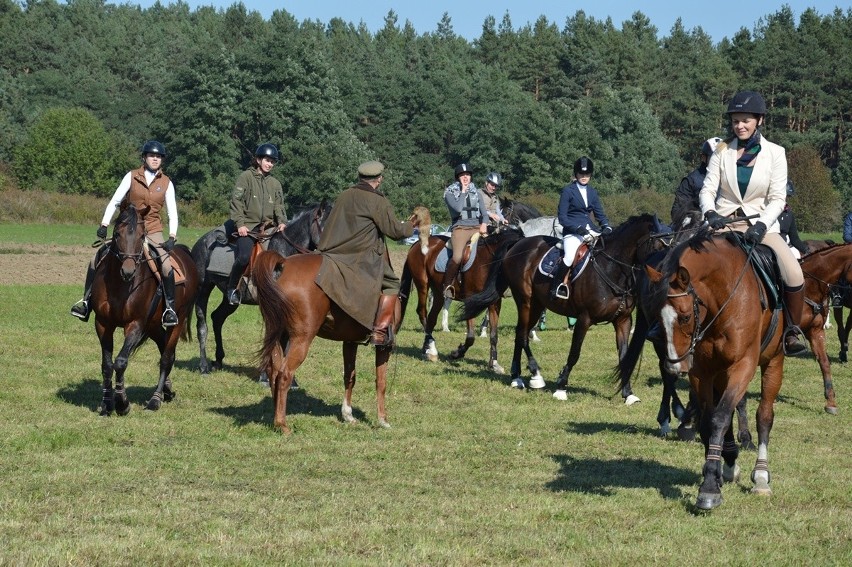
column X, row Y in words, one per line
column 574, row 214
column 847, row 228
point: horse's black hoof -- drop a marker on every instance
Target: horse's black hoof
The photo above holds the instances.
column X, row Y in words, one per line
column 686, row 433
column 154, row 403
column 123, row 411
column 104, row 412
column 708, row 501
column 169, row 396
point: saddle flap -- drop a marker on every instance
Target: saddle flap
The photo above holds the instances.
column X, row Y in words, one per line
column 154, row 266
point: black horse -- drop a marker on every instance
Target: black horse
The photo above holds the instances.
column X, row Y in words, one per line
column 301, row 235
column 516, row 212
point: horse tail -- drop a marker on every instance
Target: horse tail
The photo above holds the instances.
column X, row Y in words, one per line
column 275, row 309
column 624, row 371
column 495, row 283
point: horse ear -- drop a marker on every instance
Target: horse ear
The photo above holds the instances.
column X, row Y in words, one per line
column 683, row 277
column 653, row 274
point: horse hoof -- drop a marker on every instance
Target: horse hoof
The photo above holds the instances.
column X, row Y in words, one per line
column 384, row 424
column 537, row 382
column 123, row 410
column 518, row 383
column 665, row 430
column 731, row 474
column 831, row 410
column 104, row 412
column 762, row 490
column 429, row 357
column 561, row 395
column 154, row 403
column 708, row 501
column 631, row 399
column 686, row 433
column 496, row 368
column 169, row 396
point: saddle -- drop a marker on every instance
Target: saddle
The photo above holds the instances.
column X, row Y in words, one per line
column 151, row 260
column 548, row 263
column 468, row 256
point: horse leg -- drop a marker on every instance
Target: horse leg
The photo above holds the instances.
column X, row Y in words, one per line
column 350, row 350
column 445, row 316
column 493, row 323
column 201, row 326
column 743, row 434
column 218, row 317
column 134, row 334
column 770, row 384
column 527, row 312
column 429, row 350
column 382, row 358
column 842, row 332
column 669, row 379
column 622, row 339
column 166, row 342
column 281, row 375
column 816, row 338
column 469, row 338
column 577, row 339
column 106, row 339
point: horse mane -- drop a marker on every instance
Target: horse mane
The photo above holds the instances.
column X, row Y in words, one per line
column 519, row 211
column 129, row 216
column 657, row 292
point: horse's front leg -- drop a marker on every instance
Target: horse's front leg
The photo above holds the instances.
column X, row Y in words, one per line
column 622, row 340
column 134, row 334
column 218, row 317
column 469, row 338
column 106, row 339
column 430, row 350
column 350, row 351
column 382, row 358
column 583, row 324
column 816, row 337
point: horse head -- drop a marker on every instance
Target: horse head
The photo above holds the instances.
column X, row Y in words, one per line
column 318, row 220
column 127, row 238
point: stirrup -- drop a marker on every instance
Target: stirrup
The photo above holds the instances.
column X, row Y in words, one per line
column 234, row 297
column 80, row 310
column 449, row 292
column 167, row 321
column 562, row 291
column 793, row 345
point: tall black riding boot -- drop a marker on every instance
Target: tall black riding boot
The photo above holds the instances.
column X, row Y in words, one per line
column 387, row 314
column 450, row 279
column 81, row 309
column 232, row 293
column 170, row 318
column 794, row 303
column 558, row 288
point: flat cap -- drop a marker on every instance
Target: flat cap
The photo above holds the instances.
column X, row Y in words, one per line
column 371, row 169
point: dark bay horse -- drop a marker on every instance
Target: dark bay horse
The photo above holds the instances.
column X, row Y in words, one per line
column 717, row 319
column 295, row 310
column 126, row 294
column 420, row 269
column 603, row 293
column 516, row 212
column 302, row 234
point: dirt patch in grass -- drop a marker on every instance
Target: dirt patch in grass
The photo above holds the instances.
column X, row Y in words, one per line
column 43, row 264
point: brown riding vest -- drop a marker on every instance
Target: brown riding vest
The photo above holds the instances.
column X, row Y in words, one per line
column 142, row 195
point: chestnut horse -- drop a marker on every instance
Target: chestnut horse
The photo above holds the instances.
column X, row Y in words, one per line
column 420, row 269
column 126, row 294
column 603, row 293
column 714, row 312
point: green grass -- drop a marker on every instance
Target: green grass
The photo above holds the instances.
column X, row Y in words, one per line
column 472, row 472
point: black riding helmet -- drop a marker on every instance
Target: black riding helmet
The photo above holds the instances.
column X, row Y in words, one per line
column 153, row 147
column 747, row 101
column 463, row 168
column 584, row 165
column 267, row 150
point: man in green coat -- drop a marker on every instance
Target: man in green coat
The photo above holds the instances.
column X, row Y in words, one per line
column 356, row 269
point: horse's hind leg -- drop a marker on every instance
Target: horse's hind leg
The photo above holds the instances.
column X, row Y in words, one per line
column 493, row 323
column 843, row 332
column 350, row 351
column 218, row 317
column 469, row 339
column 382, row 357
column 743, row 434
column 201, row 327
column 166, row 344
column 771, row 379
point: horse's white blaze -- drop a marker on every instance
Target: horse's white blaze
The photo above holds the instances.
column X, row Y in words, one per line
column 668, row 316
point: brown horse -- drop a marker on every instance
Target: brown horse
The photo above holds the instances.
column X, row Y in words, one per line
column 603, row 293
column 713, row 310
column 420, row 268
column 126, row 294
column 295, row 310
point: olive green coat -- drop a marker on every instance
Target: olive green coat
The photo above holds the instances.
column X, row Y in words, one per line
column 354, row 253
column 257, row 199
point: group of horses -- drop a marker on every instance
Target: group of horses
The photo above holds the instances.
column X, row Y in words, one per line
column 702, row 302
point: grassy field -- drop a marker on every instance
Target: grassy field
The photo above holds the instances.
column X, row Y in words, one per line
column 472, row 472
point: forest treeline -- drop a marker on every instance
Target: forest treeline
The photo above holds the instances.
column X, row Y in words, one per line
column 83, row 83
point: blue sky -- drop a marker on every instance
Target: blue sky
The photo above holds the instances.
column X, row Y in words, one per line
column 719, row 19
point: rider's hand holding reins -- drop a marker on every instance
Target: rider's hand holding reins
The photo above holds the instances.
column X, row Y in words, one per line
column 606, row 230
column 715, row 220
column 755, row 233
column 169, row 244
column 102, row 232
column 242, row 231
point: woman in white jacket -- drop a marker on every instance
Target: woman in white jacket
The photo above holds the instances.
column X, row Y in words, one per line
column 747, row 175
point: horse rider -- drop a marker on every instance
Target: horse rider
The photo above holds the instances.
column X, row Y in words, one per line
column 493, row 181
column 148, row 189
column 577, row 203
column 356, row 265
column 747, row 175
column 789, row 230
column 257, row 201
column 467, row 217
column 686, row 195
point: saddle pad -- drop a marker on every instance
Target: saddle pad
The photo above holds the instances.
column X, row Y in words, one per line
column 553, row 256
column 221, row 259
column 444, row 258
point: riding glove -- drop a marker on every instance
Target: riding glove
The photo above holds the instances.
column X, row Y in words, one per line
column 606, row 230
column 581, row 231
column 102, row 232
column 755, row 233
column 169, row 244
column 715, row 220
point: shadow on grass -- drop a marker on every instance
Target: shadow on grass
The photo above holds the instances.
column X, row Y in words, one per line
column 604, row 477
column 298, row 402
column 89, row 393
